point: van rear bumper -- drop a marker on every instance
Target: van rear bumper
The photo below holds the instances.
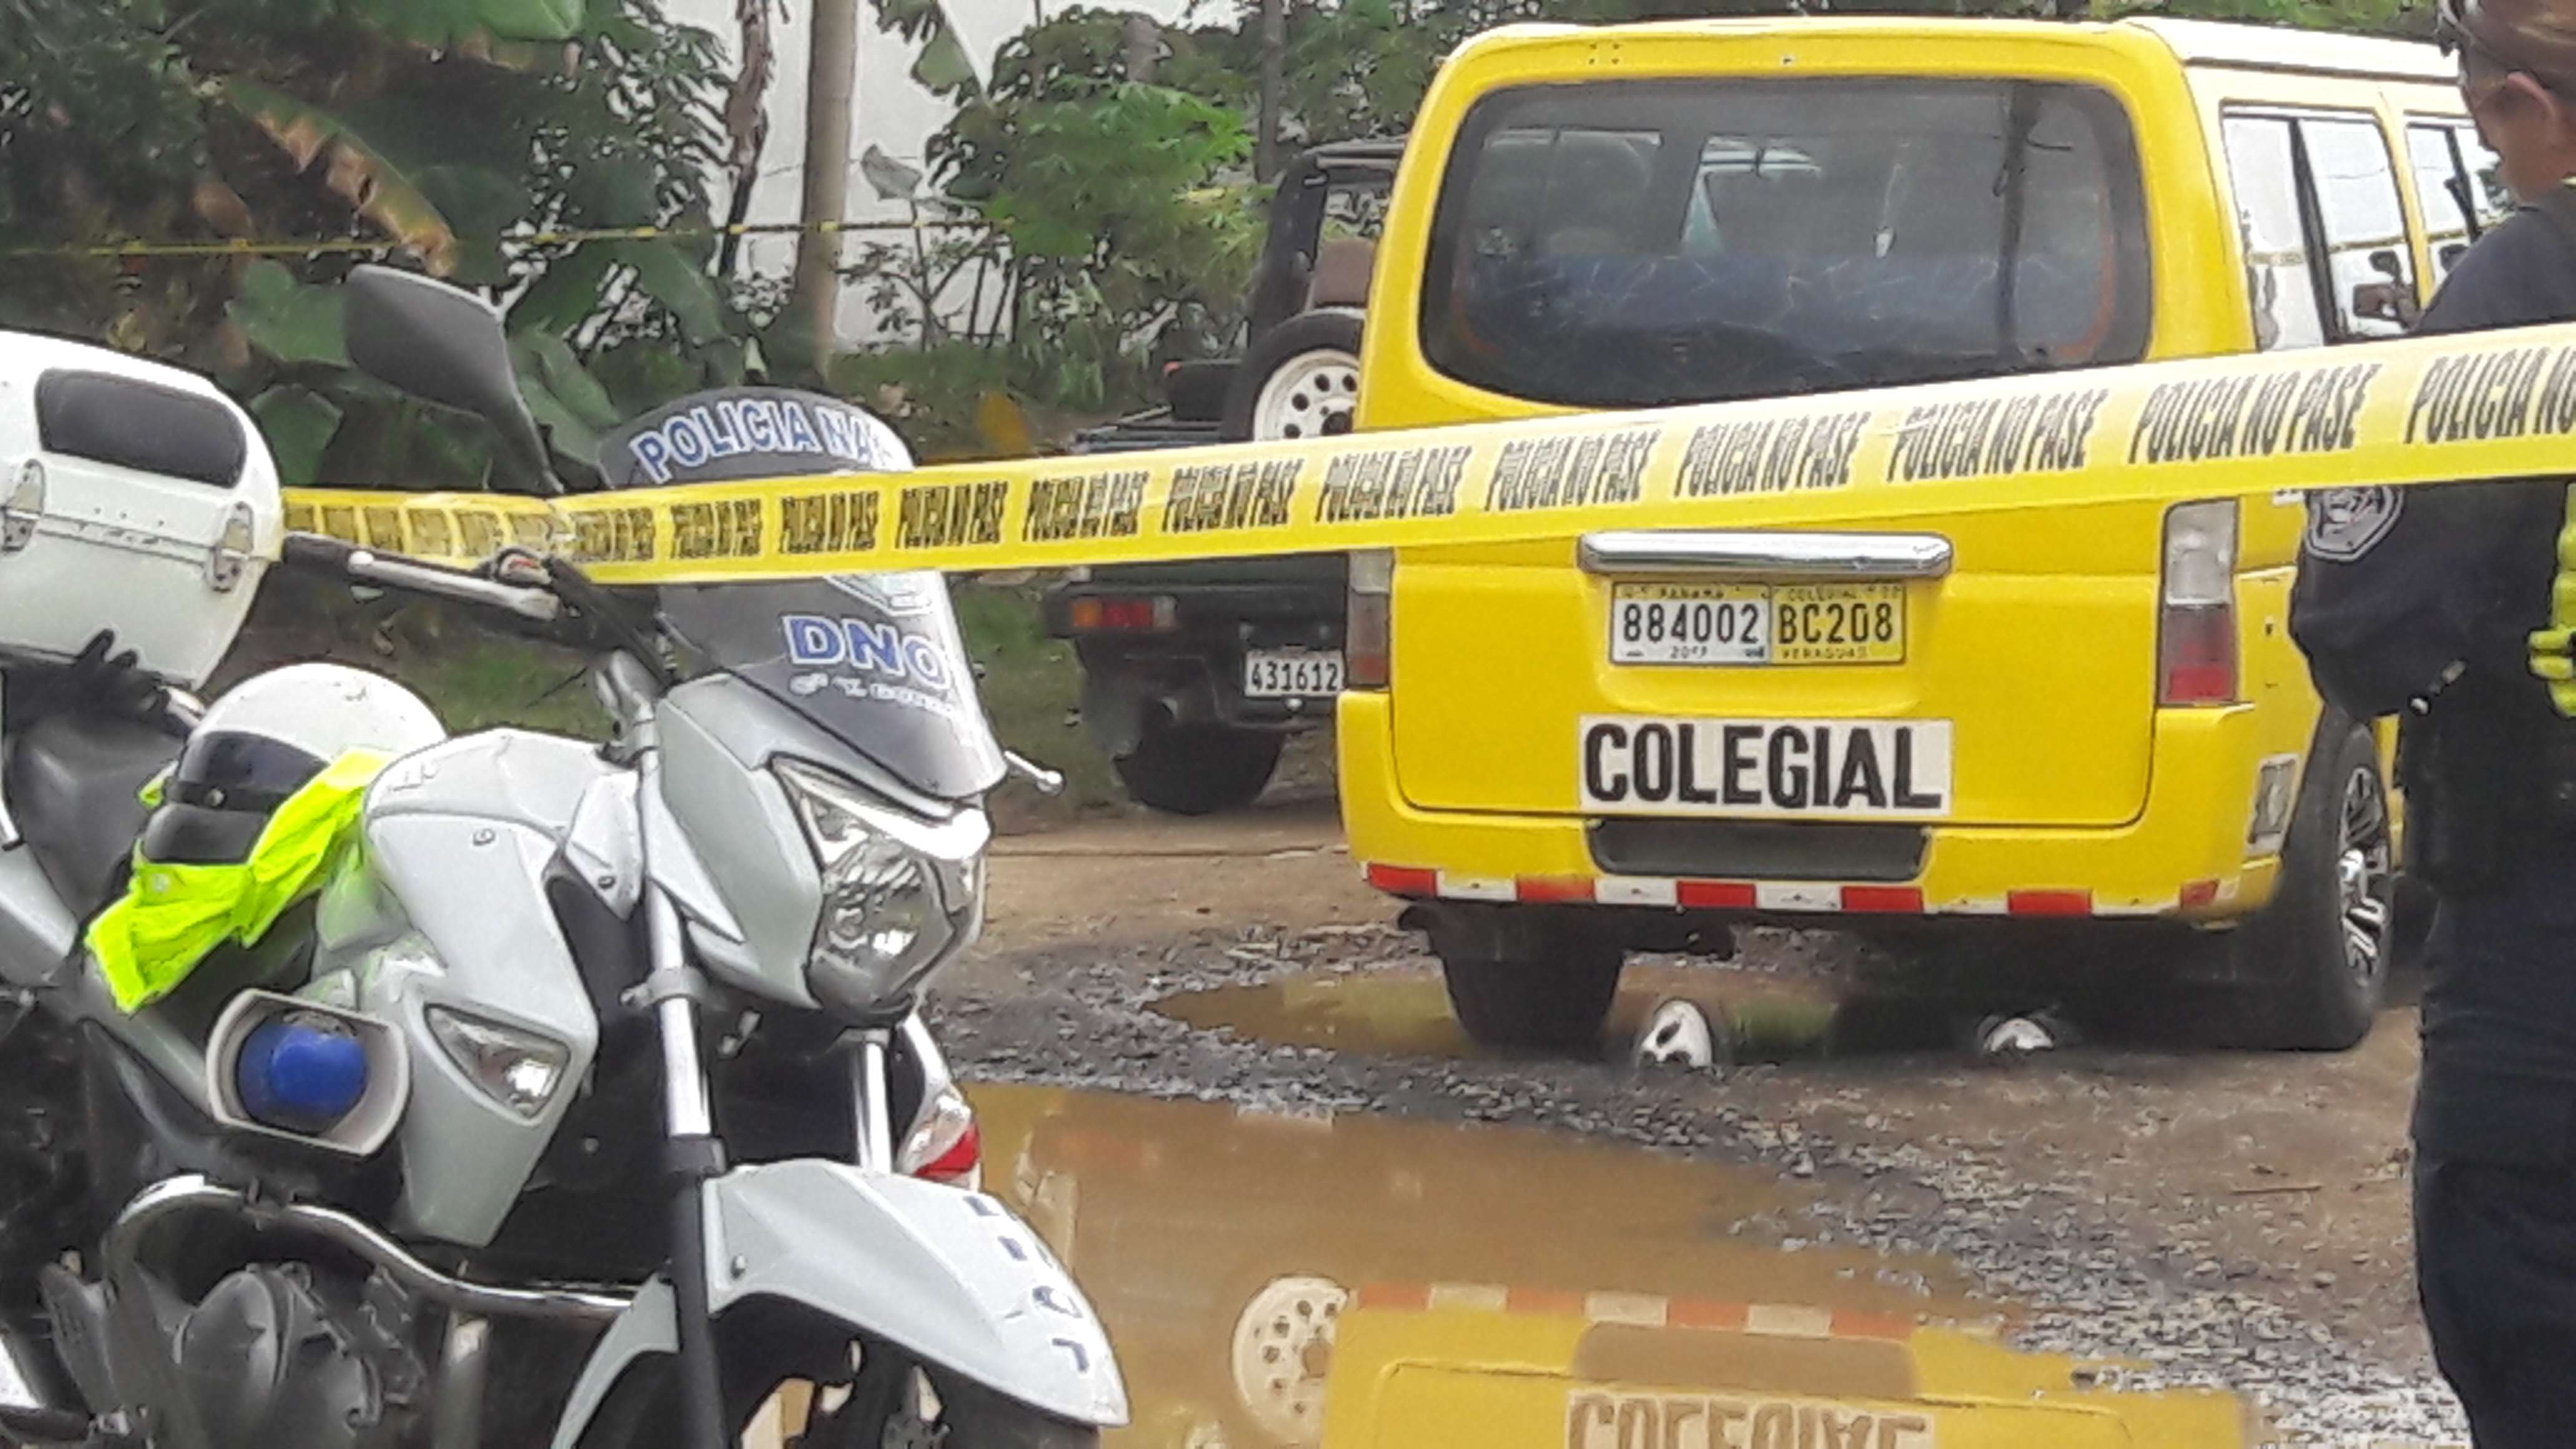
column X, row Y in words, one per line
column 2184, row 857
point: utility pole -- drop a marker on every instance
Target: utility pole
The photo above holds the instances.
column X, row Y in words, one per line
column 831, row 78
column 746, row 120
column 1274, row 41
column 1144, row 46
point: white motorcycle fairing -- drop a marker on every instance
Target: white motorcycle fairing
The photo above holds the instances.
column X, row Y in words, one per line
column 949, row 1276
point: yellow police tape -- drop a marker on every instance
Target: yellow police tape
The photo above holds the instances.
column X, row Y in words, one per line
column 566, row 236
column 2494, row 405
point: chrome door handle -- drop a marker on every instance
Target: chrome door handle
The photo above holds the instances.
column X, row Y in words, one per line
column 1768, row 554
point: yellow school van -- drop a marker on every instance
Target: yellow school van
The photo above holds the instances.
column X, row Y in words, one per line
column 1632, row 740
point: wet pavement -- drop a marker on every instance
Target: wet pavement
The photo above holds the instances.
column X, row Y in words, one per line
column 2226, row 1220
column 2229, row 1221
column 1225, row 1247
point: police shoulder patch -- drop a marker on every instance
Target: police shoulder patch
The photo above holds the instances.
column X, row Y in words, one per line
column 2345, row 523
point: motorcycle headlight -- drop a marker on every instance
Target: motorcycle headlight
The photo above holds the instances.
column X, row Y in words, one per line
column 900, row 893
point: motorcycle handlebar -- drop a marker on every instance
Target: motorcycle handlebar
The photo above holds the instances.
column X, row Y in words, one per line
column 313, row 553
column 566, row 608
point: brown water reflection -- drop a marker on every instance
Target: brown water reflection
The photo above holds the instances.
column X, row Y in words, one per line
column 1219, row 1245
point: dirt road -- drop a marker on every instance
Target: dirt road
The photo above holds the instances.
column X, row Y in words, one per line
column 2210, row 1217
column 1121, row 879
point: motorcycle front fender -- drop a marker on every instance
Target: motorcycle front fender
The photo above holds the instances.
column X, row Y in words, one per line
column 951, row 1278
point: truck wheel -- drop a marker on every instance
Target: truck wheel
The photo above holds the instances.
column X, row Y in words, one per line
column 1199, row 769
column 1523, row 987
column 1301, row 380
column 2315, row 963
column 1282, row 1347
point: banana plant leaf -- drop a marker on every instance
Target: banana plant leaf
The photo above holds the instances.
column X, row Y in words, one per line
column 547, row 361
column 672, row 277
column 298, row 424
column 945, row 66
column 286, row 319
column 471, row 23
column 565, row 432
column 481, row 203
column 360, row 174
column 532, row 19
column 567, row 295
column 562, row 396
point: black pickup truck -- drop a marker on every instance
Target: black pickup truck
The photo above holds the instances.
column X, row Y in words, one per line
column 1194, row 674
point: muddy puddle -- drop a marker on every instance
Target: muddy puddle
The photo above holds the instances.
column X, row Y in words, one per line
column 1407, row 1014
column 1533, row 1279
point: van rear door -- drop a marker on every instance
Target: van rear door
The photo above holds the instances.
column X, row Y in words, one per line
column 1634, row 243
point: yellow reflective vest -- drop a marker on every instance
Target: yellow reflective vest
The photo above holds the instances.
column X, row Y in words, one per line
column 174, row 916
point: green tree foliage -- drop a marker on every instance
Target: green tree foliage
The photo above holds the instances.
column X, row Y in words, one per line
column 1106, row 225
column 1123, row 225
column 1106, row 191
column 440, row 128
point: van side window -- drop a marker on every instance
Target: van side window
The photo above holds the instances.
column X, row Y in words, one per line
column 2326, row 253
column 2488, row 198
column 2262, row 158
column 2442, row 194
column 2368, row 262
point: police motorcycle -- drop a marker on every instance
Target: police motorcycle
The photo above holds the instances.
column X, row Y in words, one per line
column 583, row 1101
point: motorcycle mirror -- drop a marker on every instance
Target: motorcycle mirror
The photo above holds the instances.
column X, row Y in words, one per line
column 444, row 345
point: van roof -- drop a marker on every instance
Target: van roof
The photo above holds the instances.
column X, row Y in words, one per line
column 2193, row 42
column 2260, row 47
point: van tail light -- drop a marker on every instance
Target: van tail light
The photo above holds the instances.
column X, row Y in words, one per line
column 2196, row 619
column 1368, row 633
column 945, row 1146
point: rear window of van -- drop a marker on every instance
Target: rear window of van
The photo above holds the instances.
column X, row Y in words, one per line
column 1627, row 244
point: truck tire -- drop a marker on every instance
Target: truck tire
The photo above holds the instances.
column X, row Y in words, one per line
column 1525, row 987
column 1301, row 380
column 2313, row 966
column 1199, row 769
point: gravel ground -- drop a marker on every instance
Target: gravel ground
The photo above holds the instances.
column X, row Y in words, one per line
column 2089, row 1275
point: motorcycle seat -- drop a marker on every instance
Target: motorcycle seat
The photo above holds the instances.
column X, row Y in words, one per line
column 72, row 784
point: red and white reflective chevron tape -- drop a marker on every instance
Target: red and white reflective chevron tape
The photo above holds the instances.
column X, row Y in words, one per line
column 1645, row 1310
column 1801, row 897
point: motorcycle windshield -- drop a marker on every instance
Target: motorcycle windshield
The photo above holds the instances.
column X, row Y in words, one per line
column 874, row 659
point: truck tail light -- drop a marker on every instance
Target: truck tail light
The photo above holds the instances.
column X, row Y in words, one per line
column 1368, row 631
column 2196, row 618
column 1155, row 615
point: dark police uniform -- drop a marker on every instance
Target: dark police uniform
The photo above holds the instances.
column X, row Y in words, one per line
column 2418, row 603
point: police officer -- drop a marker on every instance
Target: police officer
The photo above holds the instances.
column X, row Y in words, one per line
column 2418, row 604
